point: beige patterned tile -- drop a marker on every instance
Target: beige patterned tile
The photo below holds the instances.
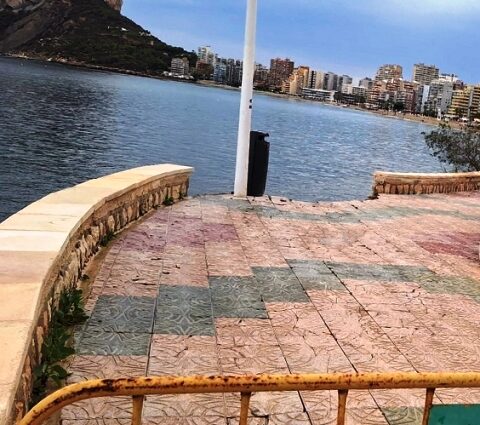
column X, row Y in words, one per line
column 264, row 404
column 99, row 408
column 185, row 405
column 98, row 421
column 183, row 355
column 238, row 332
column 84, row 368
column 204, row 420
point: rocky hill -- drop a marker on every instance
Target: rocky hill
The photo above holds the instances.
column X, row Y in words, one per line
column 90, row 32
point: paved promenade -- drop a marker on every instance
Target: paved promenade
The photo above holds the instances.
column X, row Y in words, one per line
column 214, row 285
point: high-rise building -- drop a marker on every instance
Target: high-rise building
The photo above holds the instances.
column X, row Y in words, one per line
column 343, row 80
column 436, row 98
column 386, row 93
column 422, row 100
column 180, row 66
column 280, row 70
column 330, row 81
column 297, row 81
column 207, row 55
column 386, row 72
column 424, row 74
column 260, row 78
column 315, row 79
column 366, row 82
column 228, row 71
column 406, row 94
column 466, row 102
column 234, row 72
column 220, row 72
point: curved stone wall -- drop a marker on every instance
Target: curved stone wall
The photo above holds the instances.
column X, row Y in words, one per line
column 44, row 249
column 416, row 184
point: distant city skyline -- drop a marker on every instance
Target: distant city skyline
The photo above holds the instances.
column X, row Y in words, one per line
column 429, row 93
column 345, row 37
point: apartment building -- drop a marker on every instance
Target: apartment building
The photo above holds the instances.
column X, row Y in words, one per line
column 425, row 74
column 280, row 71
column 466, row 102
column 389, row 71
column 180, row 66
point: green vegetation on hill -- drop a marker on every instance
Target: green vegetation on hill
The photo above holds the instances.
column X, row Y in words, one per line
column 92, row 33
column 8, row 18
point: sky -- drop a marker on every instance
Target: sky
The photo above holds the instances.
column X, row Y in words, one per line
column 351, row 37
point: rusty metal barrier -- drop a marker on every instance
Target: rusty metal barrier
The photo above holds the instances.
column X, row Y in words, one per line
column 138, row 388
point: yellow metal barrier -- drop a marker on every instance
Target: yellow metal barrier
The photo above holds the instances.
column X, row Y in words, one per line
column 138, row 388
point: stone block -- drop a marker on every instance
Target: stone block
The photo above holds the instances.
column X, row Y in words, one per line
column 32, row 240
column 24, row 267
column 19, row 301
column 13, row 350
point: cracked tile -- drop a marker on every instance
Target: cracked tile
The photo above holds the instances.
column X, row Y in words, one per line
column 368, row 286
column 84, row 368
column 315, row 275
column 236, row 297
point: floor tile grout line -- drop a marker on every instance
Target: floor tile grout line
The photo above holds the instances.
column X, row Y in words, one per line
column 267, row 231
column 345, row 354
column 109, row 249
column 217, row 352
column 426, row 327
column 169, row 209
column 257, row 285
column 351, row 289
column 270, row 319
column 379, row 327
column 310, row 301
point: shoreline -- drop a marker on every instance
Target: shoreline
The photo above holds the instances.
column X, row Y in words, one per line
column 91, row 67
column 391, row 115
column 208, row 83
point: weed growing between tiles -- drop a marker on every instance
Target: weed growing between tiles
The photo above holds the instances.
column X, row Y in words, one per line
column 168, row 201
column 109, row 237
column 50, row 374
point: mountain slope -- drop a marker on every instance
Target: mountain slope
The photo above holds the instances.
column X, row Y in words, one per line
column 85, row 31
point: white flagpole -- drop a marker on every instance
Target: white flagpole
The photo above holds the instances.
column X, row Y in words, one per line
column 245, row 119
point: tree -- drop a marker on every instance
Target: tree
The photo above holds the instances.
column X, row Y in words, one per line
column 398, row 106
column 203, row 71
column 458, row 148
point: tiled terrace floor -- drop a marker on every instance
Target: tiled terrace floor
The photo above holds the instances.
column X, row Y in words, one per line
column 214, row 285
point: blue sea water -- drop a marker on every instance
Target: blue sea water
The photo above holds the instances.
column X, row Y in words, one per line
column 60, row 126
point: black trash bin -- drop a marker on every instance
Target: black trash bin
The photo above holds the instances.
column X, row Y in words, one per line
column 258, row 163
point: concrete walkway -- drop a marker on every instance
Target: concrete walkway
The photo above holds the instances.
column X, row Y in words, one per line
column 214, row 285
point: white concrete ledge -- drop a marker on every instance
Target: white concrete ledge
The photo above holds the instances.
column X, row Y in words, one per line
column 44, row 249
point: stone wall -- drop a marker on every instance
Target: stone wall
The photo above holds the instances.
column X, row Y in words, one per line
column 44, row 249
column 416, row 184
